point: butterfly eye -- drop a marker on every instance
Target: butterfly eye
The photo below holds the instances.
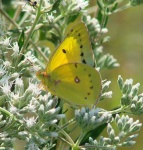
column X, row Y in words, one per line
column 44, row 74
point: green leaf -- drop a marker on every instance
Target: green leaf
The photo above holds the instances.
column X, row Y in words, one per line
column 72, row 18
column 55, row 5
column 93, row 133
column 99, row 16
column 114, row 7
column 21, row 39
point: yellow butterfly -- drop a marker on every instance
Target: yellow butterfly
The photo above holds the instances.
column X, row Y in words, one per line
column 70, row 74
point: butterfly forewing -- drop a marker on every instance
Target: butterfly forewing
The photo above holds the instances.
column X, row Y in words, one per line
column 80, row 32
column 74, row 48
column 77, row 83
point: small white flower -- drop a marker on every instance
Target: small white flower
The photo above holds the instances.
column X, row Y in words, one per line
column 1, row 116
column 34, row 101
column 41, row 98
column 7, row 64
column 3, row 134
column 36, row 68
column 6, row 88
column 32, row 146
column 82, row 110
column 104, row 30
column 136, row 86
column 98, row 29
column 128, row 82
column 19, row 82
column 15, row 75
column 32, row 87
column 48, row 50
column 3, row 80
column 15, row 49
column 63, row 3
column 54, row 134
column 14, row 97
column 50, row 17
column 2, row 71
column 29, row 57
column 47, row 3
column 53, row 122
column 31, row 107
column 51, row 111
column 108, row 94
column 13, row 109
column 30, row 121
column 49, row 104
column 28, row 8
column 107, row 84
column 95, row 22
column 60, row 116
column 92, row 21
column 99, row 49
column 6, row 42
column 80, row 4
column 44, row 98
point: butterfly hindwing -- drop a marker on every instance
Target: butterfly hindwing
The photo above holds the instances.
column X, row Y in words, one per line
column 75, row 82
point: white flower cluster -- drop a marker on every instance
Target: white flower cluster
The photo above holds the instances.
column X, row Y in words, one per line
column 91, row 119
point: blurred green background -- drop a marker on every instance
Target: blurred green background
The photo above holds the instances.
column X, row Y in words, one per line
column 126, row 45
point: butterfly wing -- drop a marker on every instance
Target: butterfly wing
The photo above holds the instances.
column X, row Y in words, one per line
column 74, row 48
column 76, row 83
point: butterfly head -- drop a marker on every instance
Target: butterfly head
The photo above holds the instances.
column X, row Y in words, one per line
column 42, row 76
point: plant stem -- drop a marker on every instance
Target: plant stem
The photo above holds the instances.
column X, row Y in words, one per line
column 58, row 18
column 32, row 28
column 80, row 138
column 76, row 145
column 119, row 110
column 68, row 123
column 65, row 134
column 5, row 112
column 30, row 32
column 97, row 147
column 8, row 18
column 122, row 8
column 16, row 15
column 26, row 15
column 41, row 53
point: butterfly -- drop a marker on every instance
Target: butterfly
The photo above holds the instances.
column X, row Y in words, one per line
column 70, row 74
